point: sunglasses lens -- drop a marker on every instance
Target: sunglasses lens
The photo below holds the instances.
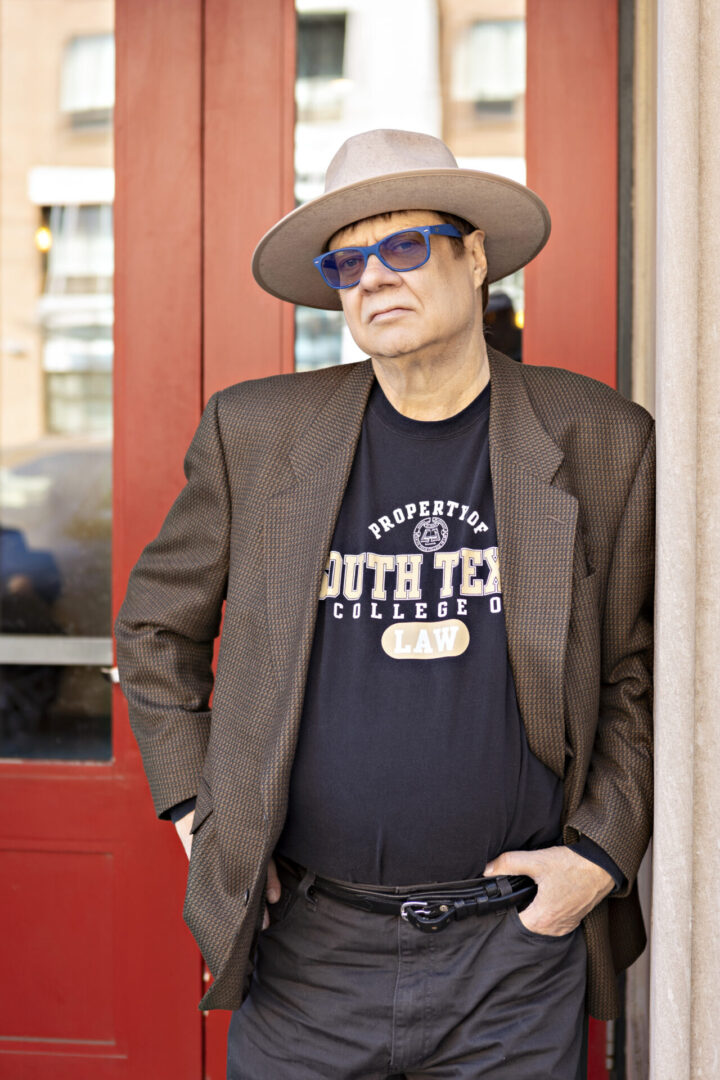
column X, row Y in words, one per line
column 343, row 267
column 402, row 251
column 405, row 250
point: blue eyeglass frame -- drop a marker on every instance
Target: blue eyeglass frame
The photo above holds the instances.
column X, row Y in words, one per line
column 374, row 249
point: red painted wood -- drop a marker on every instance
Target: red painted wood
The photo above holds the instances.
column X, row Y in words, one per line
column 597, row 1051
column 248, row 181
column 571, row 123
column 571, row 150
column 70, row 990
column 158, row 400
column 103, row 977
column 248, row 178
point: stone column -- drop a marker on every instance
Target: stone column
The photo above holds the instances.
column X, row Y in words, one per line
column 637, row 996
column 685, row 969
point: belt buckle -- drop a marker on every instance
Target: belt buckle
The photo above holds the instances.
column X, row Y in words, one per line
column 426, row 916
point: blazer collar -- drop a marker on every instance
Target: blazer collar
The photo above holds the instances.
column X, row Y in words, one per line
column 515, row 430
column 536, row 524
column 334, row 432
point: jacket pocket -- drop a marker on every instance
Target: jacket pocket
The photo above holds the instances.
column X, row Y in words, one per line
column 586, row 588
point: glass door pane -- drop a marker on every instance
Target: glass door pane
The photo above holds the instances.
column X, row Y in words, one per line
column 452, row 68
column 56, row 355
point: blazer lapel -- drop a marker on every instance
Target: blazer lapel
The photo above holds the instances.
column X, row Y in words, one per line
column 536, row 531
column 299, row 525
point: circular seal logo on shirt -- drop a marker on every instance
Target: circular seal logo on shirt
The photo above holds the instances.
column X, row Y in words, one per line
column 430, row 534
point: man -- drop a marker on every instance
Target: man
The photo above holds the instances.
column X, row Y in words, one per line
column 438, row 772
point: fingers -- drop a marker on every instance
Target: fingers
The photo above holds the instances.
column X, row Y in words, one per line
column 186, row 841
column 512, row 862
column 529, row 916
column 567, row 889
column 535, row 918
column 272, row 883
column 182, row 828
column 273, row 889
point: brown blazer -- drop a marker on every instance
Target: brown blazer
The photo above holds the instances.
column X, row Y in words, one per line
column 573, row 480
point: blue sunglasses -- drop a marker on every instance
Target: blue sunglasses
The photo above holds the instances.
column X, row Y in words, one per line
column 405, row 250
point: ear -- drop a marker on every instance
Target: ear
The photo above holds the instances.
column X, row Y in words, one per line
column 474, row 244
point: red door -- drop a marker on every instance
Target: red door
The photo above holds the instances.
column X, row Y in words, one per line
column 100, row 977
column 572, row 156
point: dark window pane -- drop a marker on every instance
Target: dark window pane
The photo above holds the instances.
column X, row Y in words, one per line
column 54, row 713
column 320, row 46
column 55, row 538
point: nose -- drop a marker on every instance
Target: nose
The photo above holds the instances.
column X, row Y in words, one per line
column 376, row 274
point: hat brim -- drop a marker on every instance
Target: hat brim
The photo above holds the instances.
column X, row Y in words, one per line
column 515, row 220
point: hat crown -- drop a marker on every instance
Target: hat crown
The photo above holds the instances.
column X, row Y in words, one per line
column 384, row 151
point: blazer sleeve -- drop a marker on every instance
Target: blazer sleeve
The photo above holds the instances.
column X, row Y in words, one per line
column 616, row 809
column 166, row 626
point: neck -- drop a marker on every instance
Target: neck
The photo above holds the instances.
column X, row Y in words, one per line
column 433, row 387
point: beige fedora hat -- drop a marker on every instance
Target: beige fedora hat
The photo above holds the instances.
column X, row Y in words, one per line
column 384, row 170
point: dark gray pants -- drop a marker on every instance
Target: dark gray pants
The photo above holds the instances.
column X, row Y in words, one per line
column 343, row 994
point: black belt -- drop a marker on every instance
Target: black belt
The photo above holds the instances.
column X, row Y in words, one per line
column 434, row 908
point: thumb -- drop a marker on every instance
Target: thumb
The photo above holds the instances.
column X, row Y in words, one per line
column 510, row 862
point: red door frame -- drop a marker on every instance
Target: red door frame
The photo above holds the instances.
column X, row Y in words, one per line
column 249, row 181
column 204, row 163
column 572, row 162
column 157, row 402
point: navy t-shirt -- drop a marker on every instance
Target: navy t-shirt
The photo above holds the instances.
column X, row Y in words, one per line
column 412, row 763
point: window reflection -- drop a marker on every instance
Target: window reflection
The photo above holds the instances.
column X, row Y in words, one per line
column 56, row 359
column 488, row 66
column 320, row 86
column 87, row 88
column 80, row 258
column 56, row 508
column 459, row 74
column 52, row 712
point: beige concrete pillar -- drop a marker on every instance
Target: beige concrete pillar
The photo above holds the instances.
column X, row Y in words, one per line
column 644, row 202
column 685, row 968
column 637, row 997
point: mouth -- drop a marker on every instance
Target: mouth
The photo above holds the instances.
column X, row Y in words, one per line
column 387, row 313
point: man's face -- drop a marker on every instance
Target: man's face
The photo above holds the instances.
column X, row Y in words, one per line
column 419, row 312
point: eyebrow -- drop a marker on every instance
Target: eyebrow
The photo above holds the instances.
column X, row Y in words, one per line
column 356, row 243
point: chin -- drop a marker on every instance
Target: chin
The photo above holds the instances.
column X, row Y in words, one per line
column 392, row 347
